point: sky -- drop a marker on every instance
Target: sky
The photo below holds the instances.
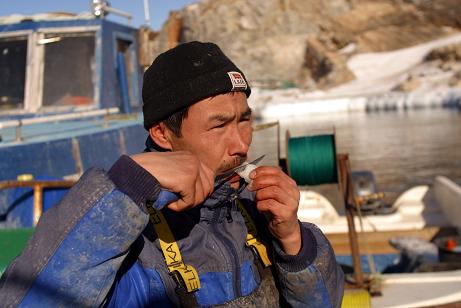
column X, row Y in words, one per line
column 159, row 10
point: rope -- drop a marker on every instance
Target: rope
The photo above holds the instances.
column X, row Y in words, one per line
column 312, row 160
column 371, row 262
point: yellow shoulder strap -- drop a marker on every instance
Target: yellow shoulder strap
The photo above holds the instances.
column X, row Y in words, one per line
column 171, row 253
column 252, row 236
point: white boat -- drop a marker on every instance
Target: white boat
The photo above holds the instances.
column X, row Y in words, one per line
column 417, row 208
column 448, row 196
column 442, row 289
column 419, row 290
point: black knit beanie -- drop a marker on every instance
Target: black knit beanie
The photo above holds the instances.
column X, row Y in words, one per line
column 185, row 75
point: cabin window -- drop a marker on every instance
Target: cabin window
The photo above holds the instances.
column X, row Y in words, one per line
column 13, row 61
column 69, row 69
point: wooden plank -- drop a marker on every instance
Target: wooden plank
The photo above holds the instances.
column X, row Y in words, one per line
column 378, row 242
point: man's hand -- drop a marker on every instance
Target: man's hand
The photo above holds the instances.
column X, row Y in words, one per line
column 278, row 196
column 180, row 172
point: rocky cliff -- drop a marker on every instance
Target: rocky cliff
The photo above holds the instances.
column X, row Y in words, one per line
column 306, row 43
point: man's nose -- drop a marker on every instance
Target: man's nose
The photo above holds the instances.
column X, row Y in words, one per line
column 239, row 142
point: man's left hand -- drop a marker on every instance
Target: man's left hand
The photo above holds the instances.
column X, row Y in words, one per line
column 277, row 195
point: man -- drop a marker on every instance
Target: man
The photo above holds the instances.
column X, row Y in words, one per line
column 219, row 244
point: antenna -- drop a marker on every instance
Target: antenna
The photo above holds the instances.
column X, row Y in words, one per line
column 101, row 8
column 146, row 12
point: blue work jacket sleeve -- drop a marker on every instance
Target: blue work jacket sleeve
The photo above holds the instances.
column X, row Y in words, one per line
column 77, row 248
column 312, row 278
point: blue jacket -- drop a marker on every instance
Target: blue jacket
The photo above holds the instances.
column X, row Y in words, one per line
column 97, row 248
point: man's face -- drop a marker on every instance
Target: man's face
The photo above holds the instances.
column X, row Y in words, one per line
column 217, row 130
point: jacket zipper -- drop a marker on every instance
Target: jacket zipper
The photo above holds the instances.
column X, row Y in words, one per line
column 236, row 276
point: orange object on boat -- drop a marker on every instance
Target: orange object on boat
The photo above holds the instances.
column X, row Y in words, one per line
column 451, row 244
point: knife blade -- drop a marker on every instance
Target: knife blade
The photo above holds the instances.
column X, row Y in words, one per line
column 240, row 168
column 166, row 197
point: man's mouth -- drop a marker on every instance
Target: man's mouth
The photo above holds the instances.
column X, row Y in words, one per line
column 234, row 164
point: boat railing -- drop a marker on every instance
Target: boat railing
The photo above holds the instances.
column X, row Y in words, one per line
column 38, row 186
column 19, row 123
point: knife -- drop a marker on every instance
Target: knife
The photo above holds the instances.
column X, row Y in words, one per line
column 166, row 197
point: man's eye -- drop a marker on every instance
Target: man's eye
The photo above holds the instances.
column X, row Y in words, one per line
column 219, row 125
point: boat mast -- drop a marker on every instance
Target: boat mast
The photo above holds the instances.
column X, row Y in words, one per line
column 146, row 12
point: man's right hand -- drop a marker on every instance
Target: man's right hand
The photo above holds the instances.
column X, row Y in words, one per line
column 180, row 172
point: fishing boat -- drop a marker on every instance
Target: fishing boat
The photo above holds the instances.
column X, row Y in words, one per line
column 64, row 79
column 419, row 207
column 69, row 100
column 414, row 247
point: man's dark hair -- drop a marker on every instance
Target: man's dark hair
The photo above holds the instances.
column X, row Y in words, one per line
column 174, row 121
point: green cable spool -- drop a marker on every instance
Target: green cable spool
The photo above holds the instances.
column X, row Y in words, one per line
column 312, row 160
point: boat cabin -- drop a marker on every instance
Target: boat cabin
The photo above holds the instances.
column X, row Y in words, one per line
column 61, row 77
column 60, row 62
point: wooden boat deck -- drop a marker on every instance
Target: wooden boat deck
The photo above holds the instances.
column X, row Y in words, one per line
column 377, row 242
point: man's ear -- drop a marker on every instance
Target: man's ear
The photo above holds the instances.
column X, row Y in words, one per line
column 160, row 135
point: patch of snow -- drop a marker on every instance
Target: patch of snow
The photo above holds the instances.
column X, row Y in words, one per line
column 377, row 75
column 382, row 71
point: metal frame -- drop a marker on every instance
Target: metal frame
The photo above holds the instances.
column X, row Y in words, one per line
column 29, row 60
column 347, row 189
column 75, row 29
column 41, row 32
column 134, row 98
column 33, row 87
column 38, row 186
column 15, row 33
column 18, row 124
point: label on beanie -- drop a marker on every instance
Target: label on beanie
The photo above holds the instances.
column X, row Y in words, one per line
column 238, row 82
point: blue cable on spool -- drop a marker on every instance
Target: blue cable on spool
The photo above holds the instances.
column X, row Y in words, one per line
column 312, row 159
